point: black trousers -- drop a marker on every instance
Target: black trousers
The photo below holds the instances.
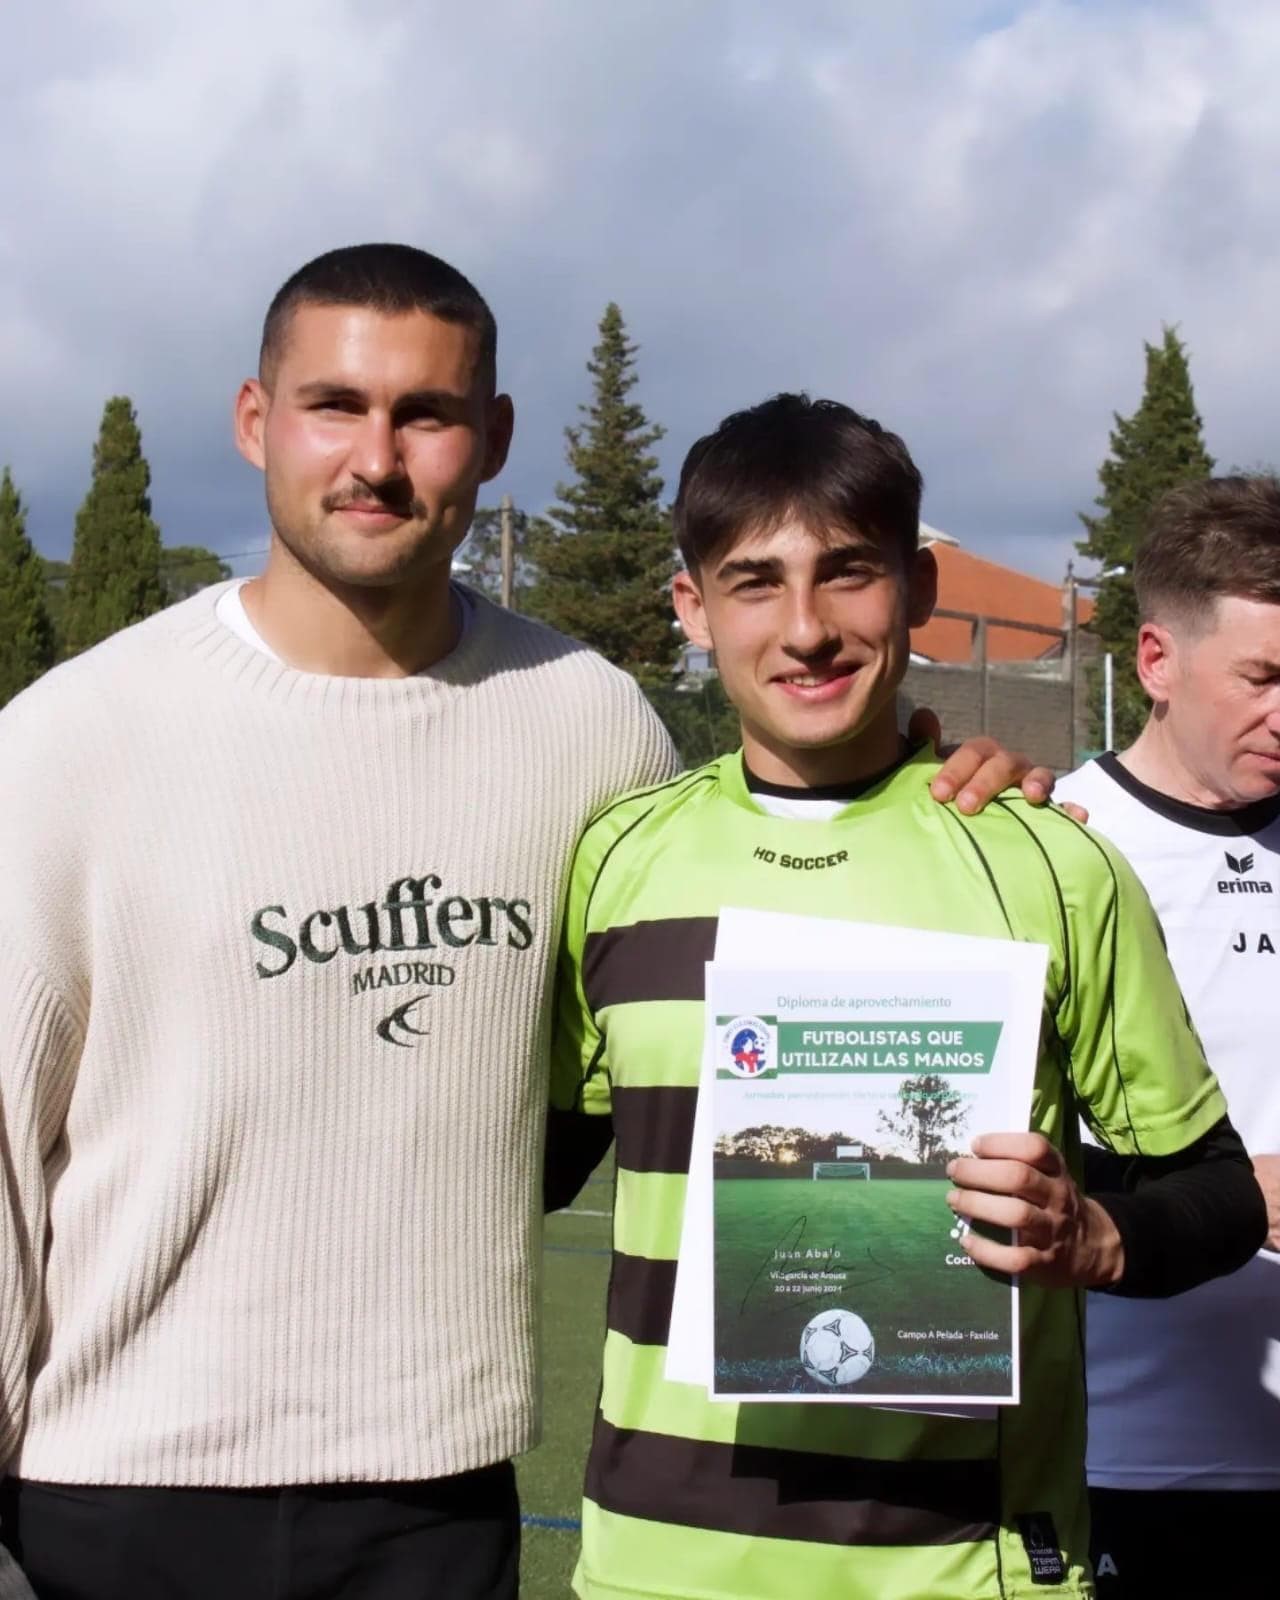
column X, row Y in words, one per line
column 1184, row 1544
column 446, row 1539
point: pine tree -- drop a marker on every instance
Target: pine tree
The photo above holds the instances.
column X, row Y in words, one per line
column 115, row 559
column 26, row 633
column 605, row 555
column 1159, row 446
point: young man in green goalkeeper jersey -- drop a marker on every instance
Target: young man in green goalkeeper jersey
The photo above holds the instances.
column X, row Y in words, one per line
column 798, row 525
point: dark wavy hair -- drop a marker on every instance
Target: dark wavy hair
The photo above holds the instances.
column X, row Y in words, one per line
column 815, row 460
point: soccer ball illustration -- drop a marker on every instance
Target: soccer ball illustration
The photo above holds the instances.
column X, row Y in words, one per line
column 836, row 1348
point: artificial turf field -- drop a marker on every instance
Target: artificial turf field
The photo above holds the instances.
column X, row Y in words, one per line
column 888, row 1239
column 576, row 1274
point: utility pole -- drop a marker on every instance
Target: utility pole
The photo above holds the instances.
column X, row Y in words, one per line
column 1072, row 646
column 1072, row 588
column 507, row 549
column 982, row 661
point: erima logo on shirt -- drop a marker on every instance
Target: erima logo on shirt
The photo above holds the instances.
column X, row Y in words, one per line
column 1241, row 884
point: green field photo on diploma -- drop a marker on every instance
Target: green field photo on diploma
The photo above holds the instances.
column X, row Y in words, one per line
column 888, row 1249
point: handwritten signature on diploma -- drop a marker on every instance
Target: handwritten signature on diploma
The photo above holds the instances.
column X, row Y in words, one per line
column 858, row 1274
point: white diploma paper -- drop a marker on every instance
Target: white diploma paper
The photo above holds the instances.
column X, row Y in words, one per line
column 764, row 959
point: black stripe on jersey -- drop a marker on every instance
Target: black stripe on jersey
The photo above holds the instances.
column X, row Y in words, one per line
column 1000, row 1457
column 660, row 960
column 1060, row 898
column 594, row 1067
column 1111, row 978
column 1052, row 1033
column 698, row 775
column 689, row 778
column 1066, row 1065
column 654, row 1128
column 640, row 1294
column 986, row 865
column 791, row 1494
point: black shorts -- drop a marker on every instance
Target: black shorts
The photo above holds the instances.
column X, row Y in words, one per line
column 1184, row 1544
column 445, row 1539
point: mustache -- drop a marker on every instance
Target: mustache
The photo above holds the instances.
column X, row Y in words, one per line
column 398, row 499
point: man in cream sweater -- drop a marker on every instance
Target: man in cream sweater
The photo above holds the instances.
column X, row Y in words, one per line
column 279, row 878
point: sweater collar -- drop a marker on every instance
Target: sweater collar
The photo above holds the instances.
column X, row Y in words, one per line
column 195, row 625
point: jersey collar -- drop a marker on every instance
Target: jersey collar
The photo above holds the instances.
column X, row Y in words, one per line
column 905, row 780
column 1248, row 819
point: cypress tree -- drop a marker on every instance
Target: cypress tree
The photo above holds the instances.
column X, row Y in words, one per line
column 26, row 633
column 56, row 576
column 115, row 559
column 605, row 555
column 1159, row 446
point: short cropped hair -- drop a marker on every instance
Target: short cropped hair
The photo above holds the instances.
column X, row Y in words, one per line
column 390, row 278
column 1206, row 540
column 817, row 461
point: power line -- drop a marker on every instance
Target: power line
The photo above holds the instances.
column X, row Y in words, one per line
column 168, row 558
column 218, row 555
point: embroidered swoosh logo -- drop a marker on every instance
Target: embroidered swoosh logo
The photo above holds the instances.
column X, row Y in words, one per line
column 398, row 1023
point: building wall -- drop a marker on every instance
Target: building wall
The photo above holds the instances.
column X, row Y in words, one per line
column 1028, row 708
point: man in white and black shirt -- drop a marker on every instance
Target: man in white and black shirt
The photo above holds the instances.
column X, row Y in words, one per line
column 1184, row 1394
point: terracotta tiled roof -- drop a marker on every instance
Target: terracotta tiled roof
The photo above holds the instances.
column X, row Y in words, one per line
column 968, row 583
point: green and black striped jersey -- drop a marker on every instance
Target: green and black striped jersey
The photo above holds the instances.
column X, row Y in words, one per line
column 705, row 1500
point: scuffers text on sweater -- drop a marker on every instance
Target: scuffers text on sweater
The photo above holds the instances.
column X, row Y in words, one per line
column 409, row 917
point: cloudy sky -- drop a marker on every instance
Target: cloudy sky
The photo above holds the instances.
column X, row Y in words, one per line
column 962, row 217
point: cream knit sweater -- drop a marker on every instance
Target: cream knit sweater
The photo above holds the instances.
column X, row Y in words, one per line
column 274, row 949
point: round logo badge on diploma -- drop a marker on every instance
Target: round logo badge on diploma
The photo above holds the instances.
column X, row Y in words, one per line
column 747, row 1048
